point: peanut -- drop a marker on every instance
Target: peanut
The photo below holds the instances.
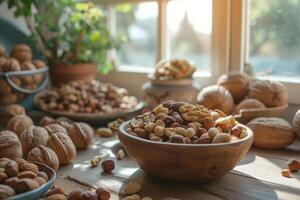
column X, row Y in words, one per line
column 212, row 132
column 221, row 138
column 159, row 131
column 189, row 133
column 104, row 132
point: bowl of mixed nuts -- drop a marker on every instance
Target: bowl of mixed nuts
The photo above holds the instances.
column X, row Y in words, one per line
column 185, row 142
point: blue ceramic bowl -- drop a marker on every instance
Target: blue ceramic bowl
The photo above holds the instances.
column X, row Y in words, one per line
column 39, row 192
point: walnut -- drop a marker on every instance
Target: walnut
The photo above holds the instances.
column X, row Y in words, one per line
column 270, row 93
column 27, row 80
column 21, row 52
column 236, row 83
column 19, row 123
column 271, row 133
column 54, row 128
column 249, row 104
column 63, row 146
column 194, row 113
column 10, row 98
column 11, row 64
column 11, row 111
column 10, row 146
column 216, row 97
column 296, row 123
column 37, row 78
column 65, row 122
column 44, row 155
column 82, row 135
column 2, row 51
column 4, row 87
column 45, row 121
column 32, row 137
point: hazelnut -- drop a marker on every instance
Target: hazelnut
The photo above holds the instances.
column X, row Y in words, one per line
column 75, row 195
column 19, row 123
column 81, row 135
column 45, row 155
column 102, row 194
column 21, row 52
column 32, row 137
column 89, row 195
column 10, row 146
column 177, row 139
column 294, row 165
column 108, row 166
column 6, row 191
column 25, row 185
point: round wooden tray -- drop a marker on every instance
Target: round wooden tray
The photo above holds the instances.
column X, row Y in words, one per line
column 93, row 117
column 248, row 114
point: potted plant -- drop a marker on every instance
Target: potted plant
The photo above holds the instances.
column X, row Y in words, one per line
column 71, row 35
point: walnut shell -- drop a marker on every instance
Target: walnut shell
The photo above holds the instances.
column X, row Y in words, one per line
column 63, row 146
column 27, row 80
column 11, row 111
column 270, row 93
column 236, row 83
column 216, row 97
column 271, row 133
column 296, row 123
column 11, row 64
column 21, row 52
column 10, row 98
column 4, row 87
column 249, row 104
column 6, row 191
column 54, row 128
column 44, row 155
column 82, row 135
column 19, row 123
column 45, row 121
column 10, row 146
column 32, row 137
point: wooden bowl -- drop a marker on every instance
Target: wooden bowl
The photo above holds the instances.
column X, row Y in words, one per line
column 38, row 192
column 246, row 115
column 185, row 162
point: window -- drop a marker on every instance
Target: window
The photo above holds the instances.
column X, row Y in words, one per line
column 274, row 37
column 137, row 22
column 189, row 25
column 165, row 29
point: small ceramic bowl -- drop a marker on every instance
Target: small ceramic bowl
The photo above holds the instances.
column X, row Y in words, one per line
column 39, row 192
column 185, row 162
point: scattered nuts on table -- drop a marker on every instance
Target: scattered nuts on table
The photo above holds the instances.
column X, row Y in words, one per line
column 286, row 173
column 104, row 132
column 94, row 162
column 293, row 165
column 102, row 194
column 178, row 122
column 87, row 97
column 108, row 166
column 114, row 125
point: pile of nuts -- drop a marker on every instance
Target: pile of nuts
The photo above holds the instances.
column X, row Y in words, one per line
column 174, row 69
column 19, row 176
column 178, row 122
column 87, row 97
column 53, row 142
column 20, row 60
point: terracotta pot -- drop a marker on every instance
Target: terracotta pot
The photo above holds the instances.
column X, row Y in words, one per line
column 63, row 73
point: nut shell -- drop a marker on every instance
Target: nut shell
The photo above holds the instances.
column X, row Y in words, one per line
column 236, row 83
column 32, row 137
column 21, row 52
column 10, row 146
column 54, row 128
column 216, row 97
column 25, row 185
column 6, row 191
column 271, row 133
column 19, row 123
column 249, row 104
column 296, row 123
column 270, row 93
column 63, row 146
column 11, row 111
column 44, row 155
column 82, row 135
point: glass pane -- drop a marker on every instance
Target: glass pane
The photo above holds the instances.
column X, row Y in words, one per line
column 275, row 37
column 138, row 23
column 189, row 31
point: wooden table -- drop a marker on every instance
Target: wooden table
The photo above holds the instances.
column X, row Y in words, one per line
column 257, row 176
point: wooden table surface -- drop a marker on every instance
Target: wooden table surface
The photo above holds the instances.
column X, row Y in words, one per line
column 257, row 176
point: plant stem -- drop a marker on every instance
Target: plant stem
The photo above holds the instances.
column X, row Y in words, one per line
column 78, row 44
